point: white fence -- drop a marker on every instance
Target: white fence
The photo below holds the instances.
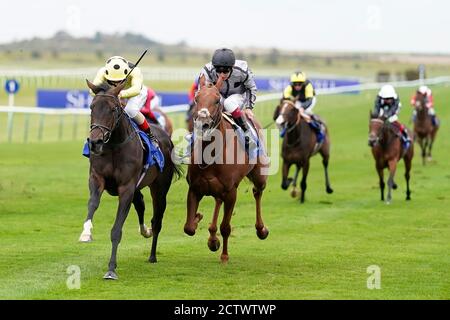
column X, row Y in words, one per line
column 76, row 113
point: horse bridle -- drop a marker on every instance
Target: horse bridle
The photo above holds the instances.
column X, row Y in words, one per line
column 118, row 112
column 215, row 120
column 378, row 138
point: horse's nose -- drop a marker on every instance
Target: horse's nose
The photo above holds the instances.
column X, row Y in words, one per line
column 96, row 145
column 205, row 126
column 372, row 141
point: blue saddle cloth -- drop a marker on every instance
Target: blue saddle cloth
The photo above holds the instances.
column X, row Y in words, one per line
column 152, row 154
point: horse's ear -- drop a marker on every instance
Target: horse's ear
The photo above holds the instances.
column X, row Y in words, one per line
column 93, row 87
column 201, row 82
column 115, row 91
column 219, row 83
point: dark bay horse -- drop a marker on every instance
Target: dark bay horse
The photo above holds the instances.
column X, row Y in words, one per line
column 387, row 150
column 424, row 130
column 219, row 177
column 116, row 163
column 299, row 145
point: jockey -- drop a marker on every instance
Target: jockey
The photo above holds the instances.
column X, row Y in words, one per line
column 388, row 104
column 113, row 73
column 151, row 102
column 301, row 91
column 238, row 90
column 429, row 103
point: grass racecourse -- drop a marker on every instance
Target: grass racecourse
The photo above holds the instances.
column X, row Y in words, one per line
column 319, row 250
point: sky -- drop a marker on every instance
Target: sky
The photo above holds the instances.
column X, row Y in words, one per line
column 314, row 25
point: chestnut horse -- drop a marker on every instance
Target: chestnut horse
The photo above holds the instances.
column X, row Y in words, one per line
column 299, row 145
column 387, row 150
column 116, row 163
column 219, row 177
column 424, row 130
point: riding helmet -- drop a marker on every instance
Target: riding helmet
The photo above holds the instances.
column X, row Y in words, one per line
column 223, row 58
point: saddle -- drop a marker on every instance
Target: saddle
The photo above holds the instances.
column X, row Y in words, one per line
column 241, row 137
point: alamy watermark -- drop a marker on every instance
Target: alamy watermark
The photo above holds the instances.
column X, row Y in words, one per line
column 73, row 281
column 374, row 279
column 210, row 147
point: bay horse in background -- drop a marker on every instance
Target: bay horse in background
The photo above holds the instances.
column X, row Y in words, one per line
column 116, row 165
column 424, row 130
column 219, row 178
column 299, row 145
column 387, row 150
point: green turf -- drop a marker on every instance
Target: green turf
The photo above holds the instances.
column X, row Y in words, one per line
column 318, row 250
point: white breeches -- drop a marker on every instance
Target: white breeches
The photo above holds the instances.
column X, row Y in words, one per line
column 135, row 103
column 233, row 102
column 310, row 109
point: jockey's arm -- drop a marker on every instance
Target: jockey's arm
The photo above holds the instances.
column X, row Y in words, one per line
column 430, row 102
column 413, row 100
column 137, row 81
column 98, row 80
column 309, row 95
column 251, row 87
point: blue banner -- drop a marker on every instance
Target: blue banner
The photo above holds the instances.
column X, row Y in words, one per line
column 82, row 99
column 277, row 84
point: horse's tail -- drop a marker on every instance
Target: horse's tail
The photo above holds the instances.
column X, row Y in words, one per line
column 177, row 169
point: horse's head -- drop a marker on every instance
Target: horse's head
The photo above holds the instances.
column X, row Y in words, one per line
column 375, row 125
column 420, row 101
column 106, row 112
column 207, row 110
column 288, row 115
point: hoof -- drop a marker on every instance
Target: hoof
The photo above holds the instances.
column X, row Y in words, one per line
column 329, row 190
column 152, row 259
column 111, row 275
column 295, row 193
column 224, row 258
column 394, row 186
column 146, row 232
column 262, row 233
column 85, row 238
column 189, row 231
column 214, row 245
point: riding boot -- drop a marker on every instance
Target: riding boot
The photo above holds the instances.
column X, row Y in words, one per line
column 434, row 120
column 248, row 136
column 405, row 136
column 146, row 128
column 316, row 126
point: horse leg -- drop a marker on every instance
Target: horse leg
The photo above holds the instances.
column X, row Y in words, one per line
column 139, row 205
column 392, row 164
column 423, row 147
column 213, row 241
column 225, row 227
column 430, row 147
column 286, row 181
column 126, row 194
column 159, row 197
column 303, row 182
column 96, row 187
column 408, row 162
column 193, row 218
column 380, row 171
column 295, row 191
column 259, row 184
column 325, row 160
